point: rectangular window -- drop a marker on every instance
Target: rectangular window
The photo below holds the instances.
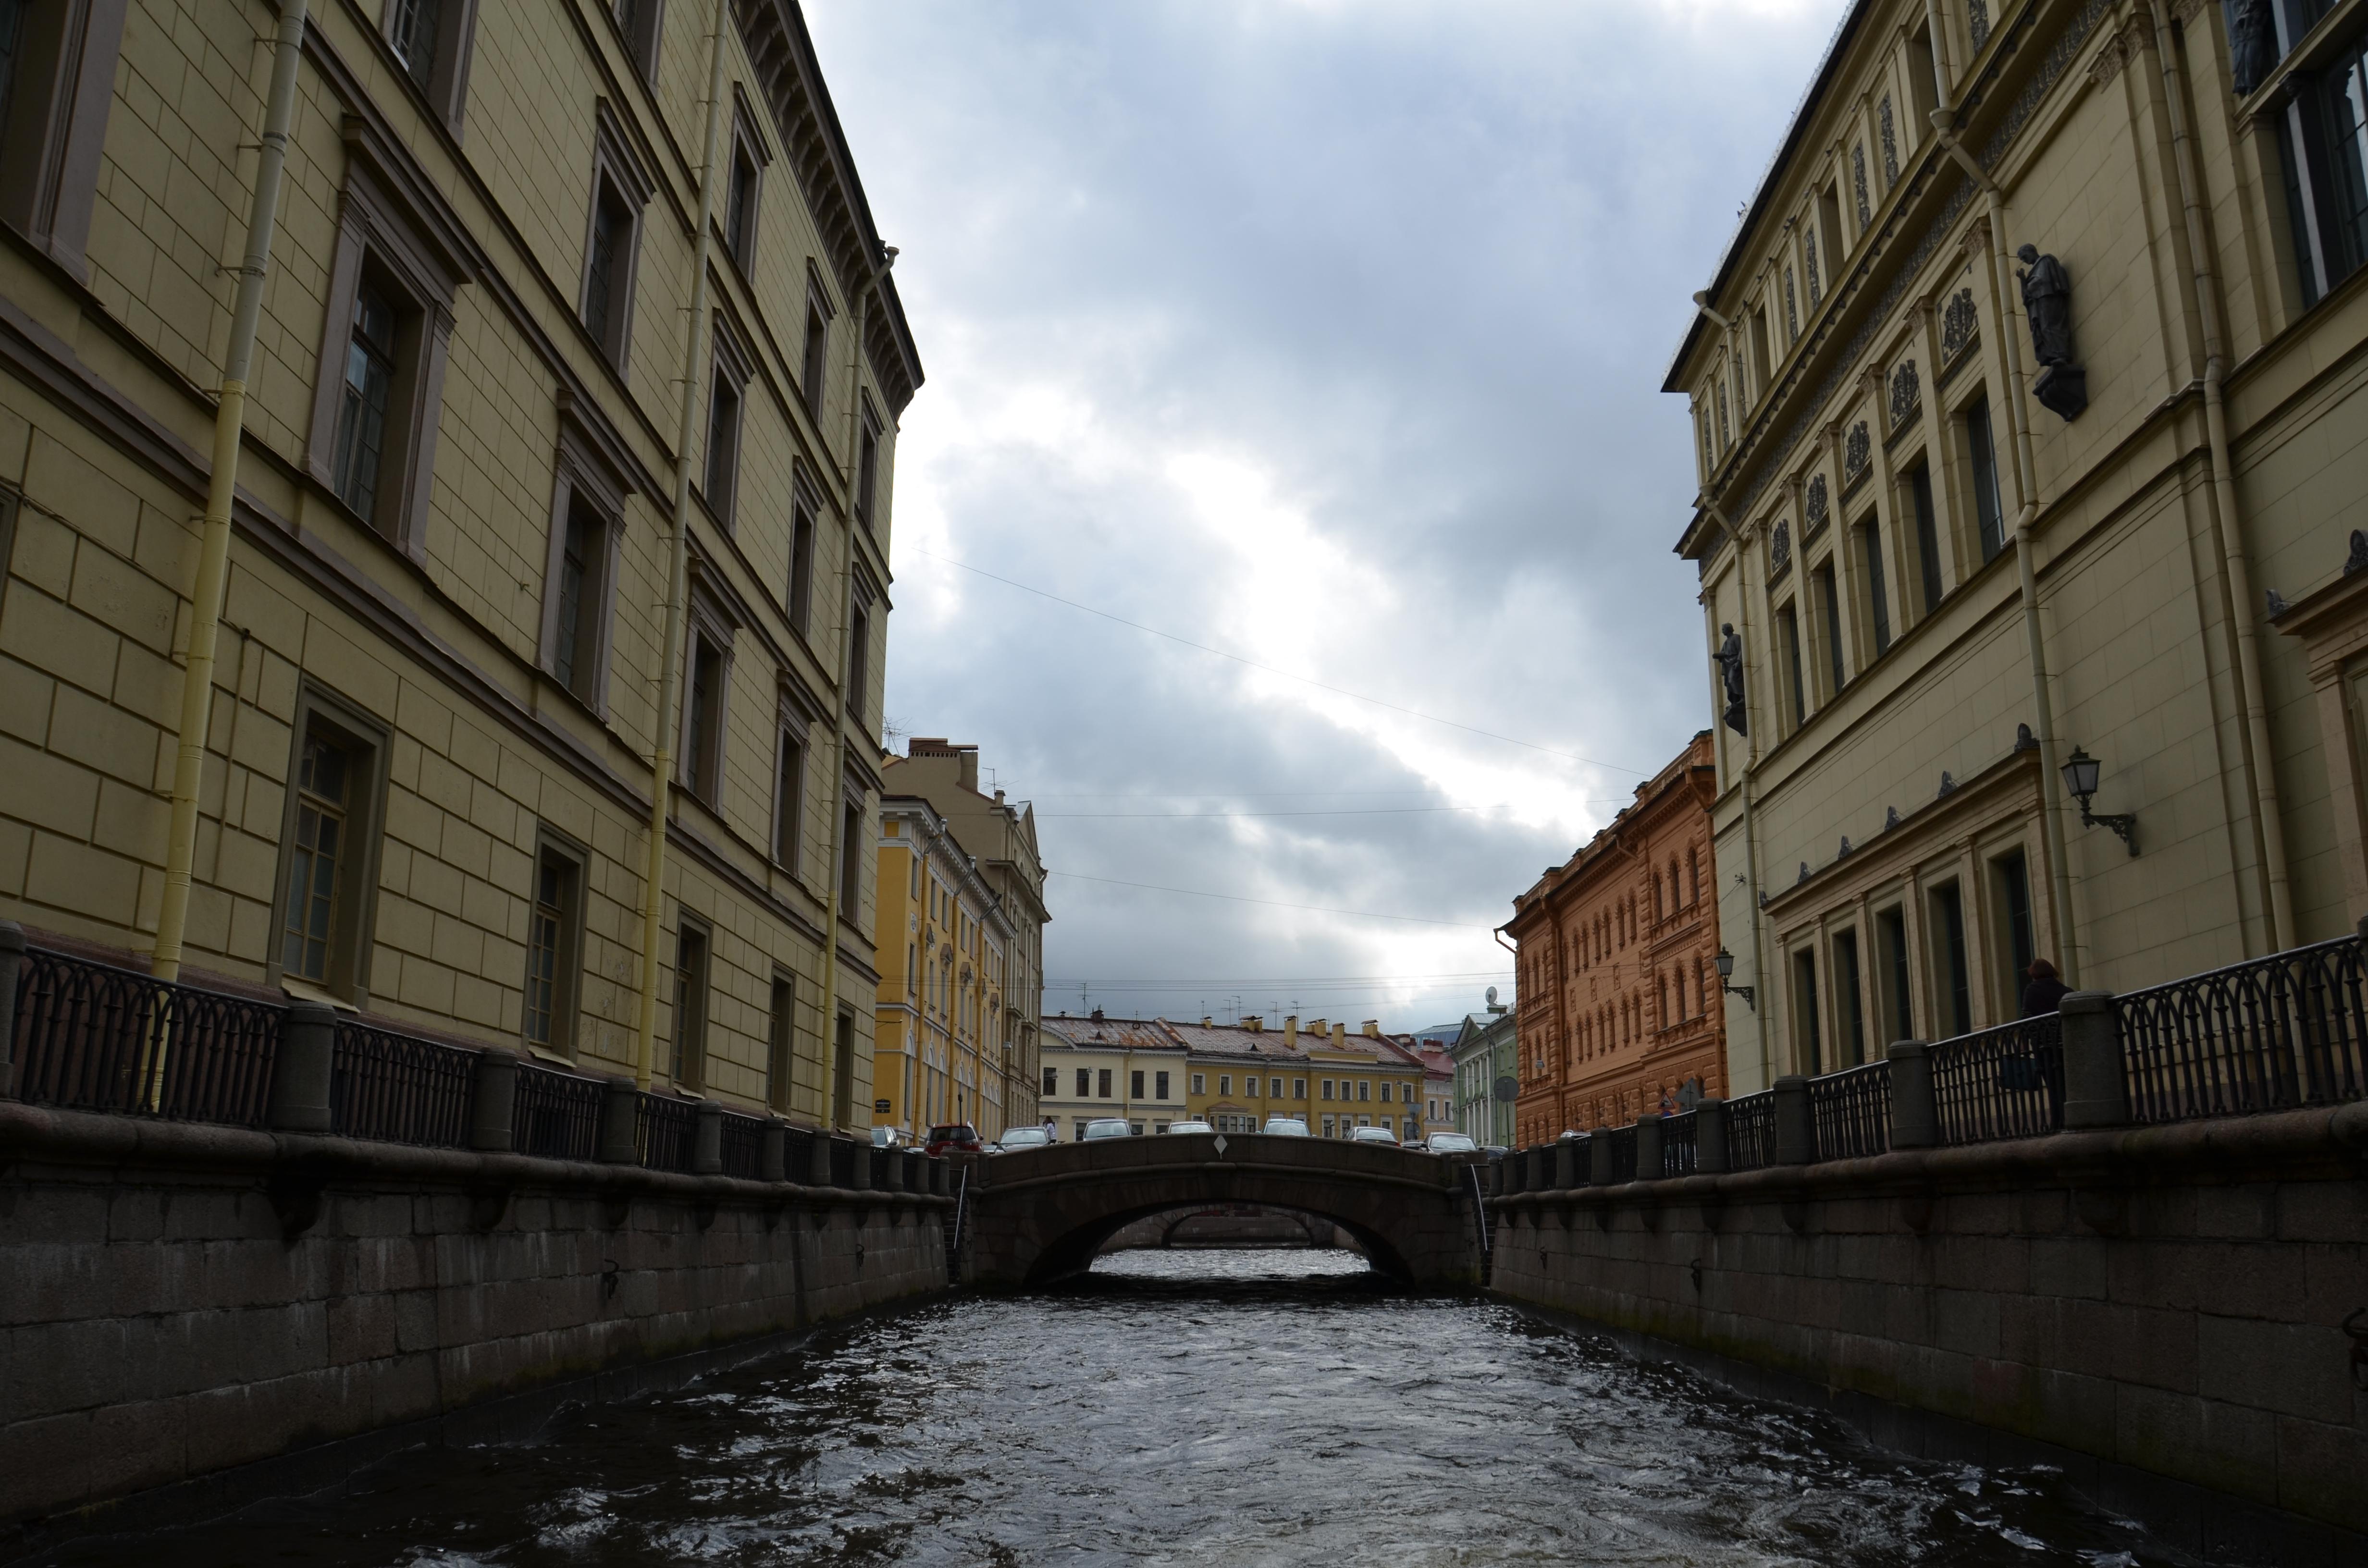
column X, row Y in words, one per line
column 608, row 269
column 411, row 31
column 1927, row 534
column 702, row 752
column 1274, row 1088
column 867, row 471
column 314, row 853
column 1327, row 1126
column 1051, row 1081
column 2012, row 876
column 1200, row 1082
column 1830, row 607
column 740, row 200
column 1102, row 1082
column 1134, row 1085
column 788, row 801
column 851, row 859
column 1365, row 1090
column 687, row 1064
column 2323, row 144
column 362, row 408
column 778, row 1038
column 801, row 547
column 1225, row 1084
column 1852, row 1021
column 1327, row 1088
column 1788, row 643
column 817, row 355
column 842, row 1071
column 1982, row 456
column 723, row 472
column 1085, row 1083
column 640, row 21
column 553, row 924
column 1949, row 937
column 327, row 891
column 1897, row 1001
column 1299, row 1088
column 1159, row 1082
column 1762, row 366
column 1870, row 537
column 1804, row 1013
column 859, row 664
column 57, row 85
column 1080, row 1133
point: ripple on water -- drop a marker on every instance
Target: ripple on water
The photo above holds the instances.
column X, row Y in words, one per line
column 1210, row 1407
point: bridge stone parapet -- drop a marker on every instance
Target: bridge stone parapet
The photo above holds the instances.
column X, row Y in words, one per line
column 2175, row 1315
column 1040, row 1215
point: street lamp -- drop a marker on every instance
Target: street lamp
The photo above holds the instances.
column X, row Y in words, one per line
column 1725, row 963
column 2081, row 773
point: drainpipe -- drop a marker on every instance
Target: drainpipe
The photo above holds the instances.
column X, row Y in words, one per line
column 1943, row 79
column 214, row 552
column 2051, row 784
column 2226, row 520
column 677, row 573
column 1750, row 825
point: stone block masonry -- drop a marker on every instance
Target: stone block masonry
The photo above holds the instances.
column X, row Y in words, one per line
column 179, row 1300
column 2175, row 1315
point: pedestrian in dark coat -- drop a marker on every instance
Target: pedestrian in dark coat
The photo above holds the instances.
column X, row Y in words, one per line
column 2046, row 991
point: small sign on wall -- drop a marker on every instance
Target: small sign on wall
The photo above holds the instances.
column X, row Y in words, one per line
column 880, row 1106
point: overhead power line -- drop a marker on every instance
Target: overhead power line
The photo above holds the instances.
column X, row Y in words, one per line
column 1287, row 675
column 1272, row 904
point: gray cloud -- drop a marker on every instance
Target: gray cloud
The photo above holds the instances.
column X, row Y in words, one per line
column 1328, row 334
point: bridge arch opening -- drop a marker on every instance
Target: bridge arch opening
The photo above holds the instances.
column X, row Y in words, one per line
column 1073, row 1252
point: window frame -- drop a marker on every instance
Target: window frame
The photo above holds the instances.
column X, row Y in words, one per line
column 641, row 34
column 582, row 478
column 790, row 733
column 814, row 355
column 701, row 775
column 729, row 373
column 354, row 921
column 445, row 93
column 49, row 182
column 566, row 1010
column 781, row 1040
column 870, row 443
column 750, row 152
column 616, row 170
column 686, row 1038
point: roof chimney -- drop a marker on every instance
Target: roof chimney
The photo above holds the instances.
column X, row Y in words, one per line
column 1318, row 1026
column 1339, row 1036
column 1254, row 1023
column 1098, row 1015
column 969, row 762
column 1207, row 1022
column 1290, row 1032
column 1373, row 1027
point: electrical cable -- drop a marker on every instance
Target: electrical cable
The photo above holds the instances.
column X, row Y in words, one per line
column 1271, row 903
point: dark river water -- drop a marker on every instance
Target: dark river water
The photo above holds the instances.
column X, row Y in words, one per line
column 1210, row 1407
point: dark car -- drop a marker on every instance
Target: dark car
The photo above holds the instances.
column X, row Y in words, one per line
column 958, row 1137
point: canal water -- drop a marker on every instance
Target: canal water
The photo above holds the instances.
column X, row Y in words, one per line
column 1186, row 1407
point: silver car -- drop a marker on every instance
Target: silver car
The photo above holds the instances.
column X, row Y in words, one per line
column 1190, row 1127
column 1285, row 1127
column 1373, row 1135
column 1103, row 1127
column 1450, row 1143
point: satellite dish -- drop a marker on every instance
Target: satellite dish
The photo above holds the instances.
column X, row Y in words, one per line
column 1492, row 996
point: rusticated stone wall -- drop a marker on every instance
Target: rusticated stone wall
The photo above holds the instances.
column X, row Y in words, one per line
column 2162, row 1312
column 179, row 1300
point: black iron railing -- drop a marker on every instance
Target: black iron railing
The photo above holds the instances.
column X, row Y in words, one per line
column 399, row 1089
column 1624, row 1152
column 744, row 1147
column 1851, row 1111
column 1751, row 1132
column 93, row 1037
column 557, row 1115
column 2006, row 1082
column 2272, row 1034
column 665, row 1128
column 1677, row 1143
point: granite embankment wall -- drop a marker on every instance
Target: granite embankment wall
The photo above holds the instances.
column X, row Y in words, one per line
column 178, row 1300
column 2173, row 1314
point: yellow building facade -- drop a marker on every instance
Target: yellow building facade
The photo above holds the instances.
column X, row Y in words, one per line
column 2027, row 413
column 1095, row 1066
column 457, row 670
column 942, row 1043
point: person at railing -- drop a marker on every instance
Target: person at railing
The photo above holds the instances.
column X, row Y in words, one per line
column 2046, row 991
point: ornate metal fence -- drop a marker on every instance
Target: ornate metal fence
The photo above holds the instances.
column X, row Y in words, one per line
column 93, row 1037
column 2270, row 1034
column 744, row 1147
column 1751, row 1132
column 557, row 1115
column 399, row 1089
column 1678, row 1144
column 1851, row 1111
column 2006, row 1082
column 1624, row 1152
column 664, row 1131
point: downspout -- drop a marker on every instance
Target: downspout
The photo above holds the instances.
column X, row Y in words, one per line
column 841, row 845
column 1498, row 933
column 2226, row 521
column 1943, row 78
column 221, row 486
column 2051, row 783
column 662, row 758
column 1750, row 824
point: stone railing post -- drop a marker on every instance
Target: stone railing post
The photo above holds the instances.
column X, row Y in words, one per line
column 917, row 1174
column 2096, row 1094
column 1915, row 1112
column 1650, row 1162
column 1796, row 1129
column 492, row 1102
column 1565, row 1166
column 859, row 1163
column 818, row 1158
column 300, row 1069
column 12, row 960
column 1709, row 1137
column 773, row 1150
column 621, row 1114
column 1598, row 1157
column 707, row 1141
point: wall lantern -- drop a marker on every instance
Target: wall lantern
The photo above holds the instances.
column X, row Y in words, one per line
column 1725, row 963
column 2081, row 773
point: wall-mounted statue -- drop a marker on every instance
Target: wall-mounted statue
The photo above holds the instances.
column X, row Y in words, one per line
column 2063, row 385
column 2252, row 43
column 1730, row 676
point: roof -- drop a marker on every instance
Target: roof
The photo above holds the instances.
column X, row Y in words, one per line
column 1232, row 1040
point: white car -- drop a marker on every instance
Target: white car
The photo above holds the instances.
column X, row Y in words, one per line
column 1103, row 1127
column 1190, row 1127
column 1373, row 1135
column 1450, row 1143
column 1285, row 1127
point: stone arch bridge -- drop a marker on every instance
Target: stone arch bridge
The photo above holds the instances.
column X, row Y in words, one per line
column 1032, row 1217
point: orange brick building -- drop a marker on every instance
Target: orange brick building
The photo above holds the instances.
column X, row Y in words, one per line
column 1619, row 997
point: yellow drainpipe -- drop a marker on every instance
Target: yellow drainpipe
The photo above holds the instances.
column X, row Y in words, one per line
column 678, row 573
column 2226, row 521
column 213, row 553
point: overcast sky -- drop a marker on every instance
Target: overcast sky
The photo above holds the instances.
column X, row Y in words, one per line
column 1329, row 335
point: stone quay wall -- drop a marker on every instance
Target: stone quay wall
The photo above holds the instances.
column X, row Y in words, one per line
column 178, row 1300
column 2173, row 1314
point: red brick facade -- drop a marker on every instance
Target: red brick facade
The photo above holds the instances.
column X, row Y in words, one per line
column 1620, row 1002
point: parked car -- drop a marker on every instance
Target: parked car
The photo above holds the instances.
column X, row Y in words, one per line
column 1286, row 1126
column 1373, row 1135
column 1103, row 1127
column 1190, row 1127
column 1023, row 1138
column 1450, row 1143
column 955, row 1138
column 889, row 1138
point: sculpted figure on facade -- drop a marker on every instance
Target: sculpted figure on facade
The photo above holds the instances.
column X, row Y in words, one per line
column 2063, row 385
column 1730, row 675
column 2252, row 44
